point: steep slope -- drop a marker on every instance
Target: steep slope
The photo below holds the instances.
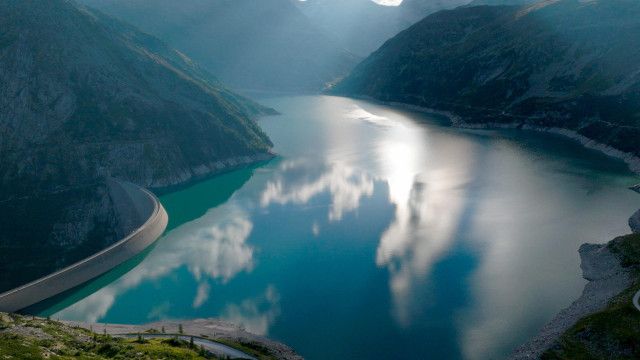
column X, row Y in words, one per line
column 127, row 105
column 566, row 64
column 249, row 44
column 84, row 98
column 362, row 26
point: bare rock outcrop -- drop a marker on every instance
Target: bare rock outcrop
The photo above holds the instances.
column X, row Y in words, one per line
column 607, row 278
column 634, row 222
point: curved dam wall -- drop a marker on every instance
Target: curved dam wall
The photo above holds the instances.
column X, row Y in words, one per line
column 135, row 206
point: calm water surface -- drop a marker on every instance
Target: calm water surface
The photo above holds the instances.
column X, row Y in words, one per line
column 378, row 233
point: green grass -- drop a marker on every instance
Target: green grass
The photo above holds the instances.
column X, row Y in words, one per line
column 628, row 248
column 35, row 338
column 613, row 333
column 254, row 349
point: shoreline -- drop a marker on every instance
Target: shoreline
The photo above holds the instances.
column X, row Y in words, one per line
column 212, row 170
column 607, row 279
column 99, row 263
column 632, row 161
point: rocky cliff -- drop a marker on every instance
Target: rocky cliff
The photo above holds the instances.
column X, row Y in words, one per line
column 634, row 222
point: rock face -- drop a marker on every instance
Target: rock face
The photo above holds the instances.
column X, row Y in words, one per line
column 607, row 278
column 634, row 222
column 565, row 64
column 84, row 97
column 250, row 44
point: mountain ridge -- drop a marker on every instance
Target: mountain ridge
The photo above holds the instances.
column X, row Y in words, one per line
column 251, row 45
column 533, row 66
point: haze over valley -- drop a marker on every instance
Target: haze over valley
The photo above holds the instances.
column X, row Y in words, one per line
column 320, row 179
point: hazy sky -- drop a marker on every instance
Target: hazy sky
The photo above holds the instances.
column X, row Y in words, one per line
column 384, row 2
column 388, row 2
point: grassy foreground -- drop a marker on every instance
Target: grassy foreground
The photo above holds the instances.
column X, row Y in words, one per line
column 24, row 337
column 613, row 333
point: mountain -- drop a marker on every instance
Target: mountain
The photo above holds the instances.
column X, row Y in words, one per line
column 559, row 63
column 362, row 26
column 249, row 44
column 84, row 98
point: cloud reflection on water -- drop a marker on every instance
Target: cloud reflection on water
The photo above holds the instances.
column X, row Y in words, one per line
column 256, row 314
column 429, row 195
column 426, row 178
column 422, row 231
column 213, row 246
column 299, row 182
column 202, row 294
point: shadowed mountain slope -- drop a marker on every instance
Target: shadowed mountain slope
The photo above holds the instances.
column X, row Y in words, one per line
column 84, row 98
column 569, row 64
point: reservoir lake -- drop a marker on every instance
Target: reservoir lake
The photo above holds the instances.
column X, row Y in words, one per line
column 377, row 232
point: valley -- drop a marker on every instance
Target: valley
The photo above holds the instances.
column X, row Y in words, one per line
column 355, row 179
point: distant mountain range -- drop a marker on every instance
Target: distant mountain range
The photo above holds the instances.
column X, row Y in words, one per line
column 83, row 98
column 558, row 63
column 249, row 44
column 362, row 26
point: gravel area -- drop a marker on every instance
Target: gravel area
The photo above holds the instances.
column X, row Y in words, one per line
column 606, row 278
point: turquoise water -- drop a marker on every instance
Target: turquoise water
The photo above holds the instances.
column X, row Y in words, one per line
column 377, row 233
